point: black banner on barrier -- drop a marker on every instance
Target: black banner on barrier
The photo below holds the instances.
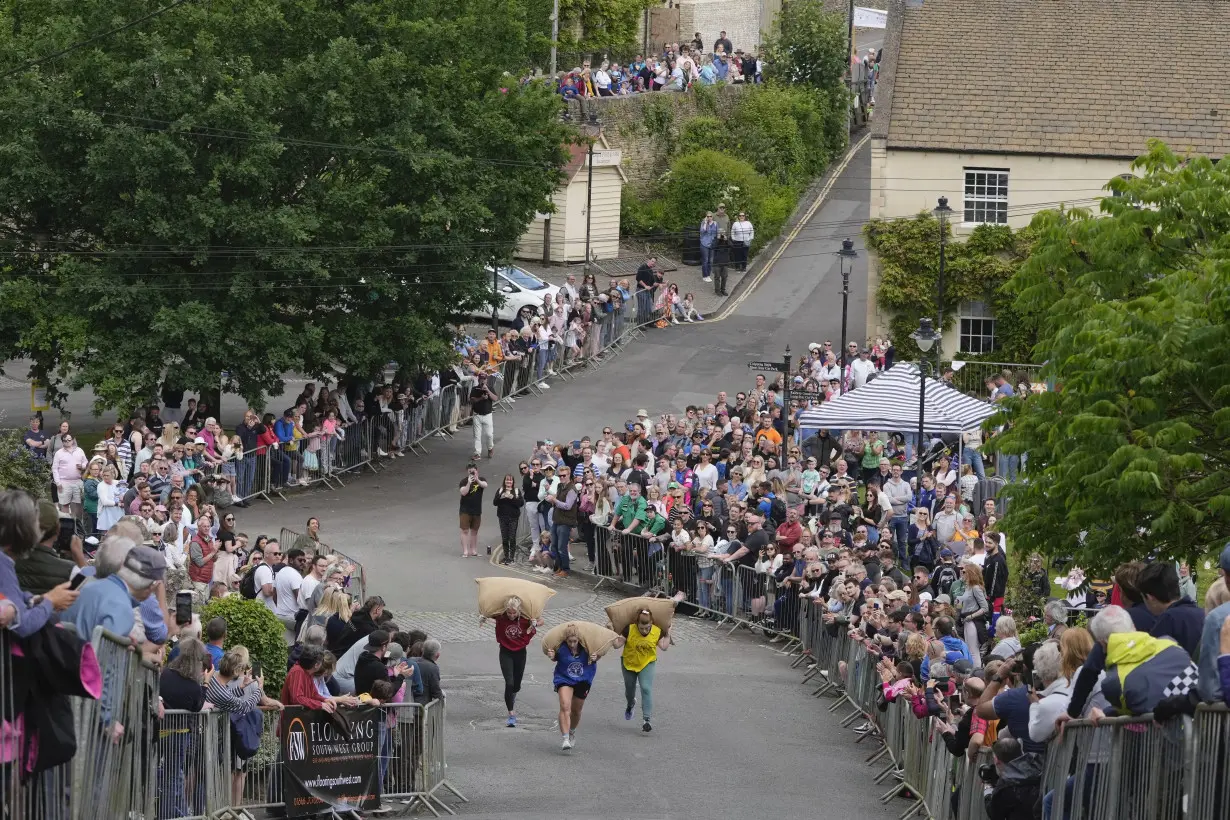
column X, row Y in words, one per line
column 330, row 760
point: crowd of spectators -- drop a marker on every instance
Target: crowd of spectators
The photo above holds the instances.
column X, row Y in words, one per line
column 677, row 67
column 894, row 557
column 342, row 651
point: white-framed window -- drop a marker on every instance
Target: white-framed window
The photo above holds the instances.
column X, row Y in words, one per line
column 1129, row 178
column 986, row 195
column 977, row 328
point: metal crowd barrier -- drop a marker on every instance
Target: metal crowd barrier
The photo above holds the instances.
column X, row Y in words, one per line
column 194, row 764
column 356, row 582
column 116, row 735
column 1124, row 767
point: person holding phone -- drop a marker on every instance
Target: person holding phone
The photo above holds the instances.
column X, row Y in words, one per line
column 471, row 511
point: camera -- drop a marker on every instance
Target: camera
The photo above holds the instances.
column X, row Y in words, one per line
column 988, row 774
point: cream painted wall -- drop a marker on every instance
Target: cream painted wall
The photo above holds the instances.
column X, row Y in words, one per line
column 568, row 221
column 906, row 182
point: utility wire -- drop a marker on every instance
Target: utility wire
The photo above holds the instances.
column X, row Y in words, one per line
column 104, row 35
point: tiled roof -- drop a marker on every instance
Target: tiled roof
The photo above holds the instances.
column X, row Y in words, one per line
column 1063, row 77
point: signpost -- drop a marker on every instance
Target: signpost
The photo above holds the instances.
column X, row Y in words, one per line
column 782, row 367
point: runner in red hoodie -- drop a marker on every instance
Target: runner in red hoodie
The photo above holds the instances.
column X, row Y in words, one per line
column 514, row 632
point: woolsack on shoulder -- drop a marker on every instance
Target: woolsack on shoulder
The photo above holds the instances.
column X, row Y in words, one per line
column 493, row 595
column 624, row 613
column 596, row 639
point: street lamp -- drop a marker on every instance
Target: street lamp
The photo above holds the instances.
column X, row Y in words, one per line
column 925, row 337
column 592, row 129
column 943, row 213
column 847, row 256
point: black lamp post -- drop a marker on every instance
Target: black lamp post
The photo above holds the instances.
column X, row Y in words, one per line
column 943, row 213
column 925, row 337
column 848, row 255
column 592, row 129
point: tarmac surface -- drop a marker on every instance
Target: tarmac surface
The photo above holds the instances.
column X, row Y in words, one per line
column 735, row 734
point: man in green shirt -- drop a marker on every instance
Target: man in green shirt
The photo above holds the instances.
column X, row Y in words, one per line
column 649, row 554
column 630, row 511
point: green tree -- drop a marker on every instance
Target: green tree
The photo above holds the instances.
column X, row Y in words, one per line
column 697, row 182
column 807, row 46
column 976, row 270
column 18, row 471
column 1127, row 456
column 251, row 625
column 259, row 187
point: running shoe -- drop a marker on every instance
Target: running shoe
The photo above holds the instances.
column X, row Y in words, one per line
column 646, row 727
column 567, row 744
column 512, row 722
column 572, row 738
column 628, row 713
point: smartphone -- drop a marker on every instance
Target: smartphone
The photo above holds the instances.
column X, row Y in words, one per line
column 256, row 668
column 78, row 580
column 183, row 608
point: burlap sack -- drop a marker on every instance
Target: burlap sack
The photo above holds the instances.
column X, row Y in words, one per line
column 624, row 613
column 493, row 595
column 597, row 640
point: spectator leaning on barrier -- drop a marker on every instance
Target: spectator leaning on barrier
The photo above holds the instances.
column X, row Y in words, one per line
column 1142, row 670
column 1015, row 783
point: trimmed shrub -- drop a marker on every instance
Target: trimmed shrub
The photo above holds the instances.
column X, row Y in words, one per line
column 252, row 625
column 701, row 133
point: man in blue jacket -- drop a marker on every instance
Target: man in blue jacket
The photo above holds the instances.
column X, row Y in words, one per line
column 708, row 241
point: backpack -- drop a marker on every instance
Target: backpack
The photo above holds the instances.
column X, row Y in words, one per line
column 945, row 577
column 777, row 511
column 246, row 731
column 247, row 584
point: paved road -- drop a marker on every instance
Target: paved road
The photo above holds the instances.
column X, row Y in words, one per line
column 736, row 734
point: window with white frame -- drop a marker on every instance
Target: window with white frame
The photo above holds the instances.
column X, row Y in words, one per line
column 986, row 195
column 977, row 328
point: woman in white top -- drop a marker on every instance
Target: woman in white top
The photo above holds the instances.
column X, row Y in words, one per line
column 653, row 498
column 602, row 82
column 702, row 547
column 110, row 500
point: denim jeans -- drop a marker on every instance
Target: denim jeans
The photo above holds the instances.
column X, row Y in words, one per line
column 540, row 361
column 245, row 475
column 704, row 579
column 901, row 535
column 974, row 459
column 560, row 535
column 706, row 261
column 1009, row 466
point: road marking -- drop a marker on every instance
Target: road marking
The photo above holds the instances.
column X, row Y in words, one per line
column 815, row 206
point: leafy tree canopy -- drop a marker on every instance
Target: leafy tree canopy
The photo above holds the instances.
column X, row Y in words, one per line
column 1127, row 456
column 259, row 187
column 807, row 46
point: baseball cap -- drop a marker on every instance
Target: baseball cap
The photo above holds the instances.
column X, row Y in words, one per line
column 945, row 553
column 550, row 467
column 146, row 562
column 1224, row 561
column 943, row 599
column 924, row 596
column 377, row 638
column 48, row 519
column 963, row 667
column 674, row 485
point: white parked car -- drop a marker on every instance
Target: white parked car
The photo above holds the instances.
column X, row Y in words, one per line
column 520, row 288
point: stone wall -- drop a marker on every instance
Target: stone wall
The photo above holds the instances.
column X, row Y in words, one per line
column 742, row 21
column 635, row 124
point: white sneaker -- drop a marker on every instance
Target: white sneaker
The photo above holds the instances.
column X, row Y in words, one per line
column 567, row 744
column 572, row 739
column 706, row 279
column 690, row 319
column 544, row 386
column 511, row 400
column 381, row 453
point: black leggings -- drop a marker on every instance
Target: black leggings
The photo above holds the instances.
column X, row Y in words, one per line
column 512, row 666
column 508, row 537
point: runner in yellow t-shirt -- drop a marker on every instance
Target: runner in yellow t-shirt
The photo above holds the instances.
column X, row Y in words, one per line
column 641, row 646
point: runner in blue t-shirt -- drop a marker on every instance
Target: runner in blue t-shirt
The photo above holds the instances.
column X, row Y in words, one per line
column 574, row 675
